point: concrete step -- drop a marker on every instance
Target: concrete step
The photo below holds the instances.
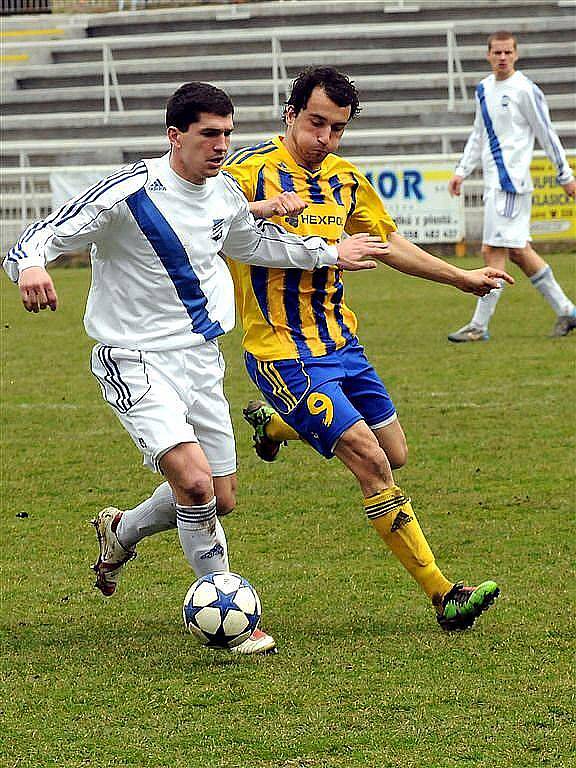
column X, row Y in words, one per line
column 313, row 14
column 259, row 92
column 376, row 114
column 293, row 38
column 355, row 141
column 258, row 66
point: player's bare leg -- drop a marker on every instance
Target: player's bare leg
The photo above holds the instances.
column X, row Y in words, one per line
column 187, row 470
column 225, row 491
column 392, row 440
column 542, row 278
column 477, row 328
column 391, row 514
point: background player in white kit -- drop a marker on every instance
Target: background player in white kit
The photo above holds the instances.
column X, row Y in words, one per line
column 160, row 296
column 510, row 112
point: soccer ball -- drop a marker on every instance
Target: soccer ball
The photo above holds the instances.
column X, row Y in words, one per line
column 221, row 609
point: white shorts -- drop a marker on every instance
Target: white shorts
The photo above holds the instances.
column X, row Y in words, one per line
column 167, row 398
column 506, row 219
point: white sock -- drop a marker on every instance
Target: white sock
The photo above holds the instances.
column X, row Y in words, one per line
column 546, row 283
column 485, row 307
column 203, row 541
column 157, row 513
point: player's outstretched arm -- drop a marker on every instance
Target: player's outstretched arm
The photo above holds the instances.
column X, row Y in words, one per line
column 37, row 290
column 360, row 250
column 409, row 258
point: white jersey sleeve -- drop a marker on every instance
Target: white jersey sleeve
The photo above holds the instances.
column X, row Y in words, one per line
column 263, row 243
column 536, row 112
column 84, row 220
column 472, row 155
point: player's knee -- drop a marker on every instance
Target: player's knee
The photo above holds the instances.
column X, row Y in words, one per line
column 398, row 455
column 197, row 487
column 375, row 465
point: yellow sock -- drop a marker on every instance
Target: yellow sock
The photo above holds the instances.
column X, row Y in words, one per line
column 277, row 429
column 391, row 513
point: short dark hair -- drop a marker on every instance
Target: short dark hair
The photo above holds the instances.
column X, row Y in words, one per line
column 338, row 87
column 186, row 104
column 501, row 35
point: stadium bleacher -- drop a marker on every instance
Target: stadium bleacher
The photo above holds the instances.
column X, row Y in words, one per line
column 58, row 109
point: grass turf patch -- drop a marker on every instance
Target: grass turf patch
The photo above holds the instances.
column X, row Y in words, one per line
column 364, row 676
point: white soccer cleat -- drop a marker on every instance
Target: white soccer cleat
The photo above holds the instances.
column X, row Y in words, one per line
column 112, row 555
column 469, row 332
column 564, row 325
column 258, row 642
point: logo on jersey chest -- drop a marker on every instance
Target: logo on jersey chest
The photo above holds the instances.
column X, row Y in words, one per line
column 157, row 186
column 325, row 219
column 505, row 101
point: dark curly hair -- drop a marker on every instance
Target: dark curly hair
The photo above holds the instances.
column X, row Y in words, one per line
column 186, row 104
column 339, row 88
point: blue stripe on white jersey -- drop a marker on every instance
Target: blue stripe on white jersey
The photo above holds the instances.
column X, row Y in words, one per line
column 174, row 258
column 495, row 148
column 539, row 99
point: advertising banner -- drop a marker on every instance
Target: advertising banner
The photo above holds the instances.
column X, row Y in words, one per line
column 553, row 212
column 416, row 195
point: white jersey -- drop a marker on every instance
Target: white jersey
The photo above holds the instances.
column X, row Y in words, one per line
column 509, row 114
column 158, row 281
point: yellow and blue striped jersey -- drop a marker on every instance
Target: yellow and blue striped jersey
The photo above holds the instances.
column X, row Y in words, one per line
column 290, row 313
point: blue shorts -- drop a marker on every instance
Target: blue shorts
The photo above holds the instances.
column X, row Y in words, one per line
column 322, row 397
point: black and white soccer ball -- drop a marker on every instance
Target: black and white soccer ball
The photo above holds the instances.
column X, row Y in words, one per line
column 221, row 609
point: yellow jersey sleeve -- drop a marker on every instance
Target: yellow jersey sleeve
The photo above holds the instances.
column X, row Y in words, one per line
column 368, row 213
column 245, row 176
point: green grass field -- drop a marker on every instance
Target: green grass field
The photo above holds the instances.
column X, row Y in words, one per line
column 364, row 676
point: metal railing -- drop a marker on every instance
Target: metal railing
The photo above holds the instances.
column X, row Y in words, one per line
column 274, row 37
column 110, row 76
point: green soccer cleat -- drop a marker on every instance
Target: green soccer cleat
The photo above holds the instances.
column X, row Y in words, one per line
column 462, row 605
column 257, row 413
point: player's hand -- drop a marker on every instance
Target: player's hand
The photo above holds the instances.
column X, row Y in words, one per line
column 481, row 281
column 357, row 252
column 455, row 185
column 570, row 188
column 37, row 290
column 285, row 204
